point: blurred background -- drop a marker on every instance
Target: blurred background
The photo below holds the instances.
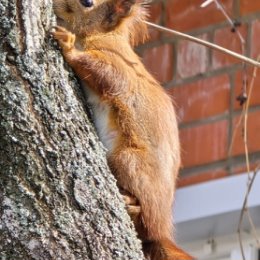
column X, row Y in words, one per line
column 210, row 90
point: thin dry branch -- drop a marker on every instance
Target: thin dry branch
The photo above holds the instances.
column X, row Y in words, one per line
column 244, row 115
column 251, row 222
column 232, row 22
column 243, row 96
column 205, row 43
column 238, row 124
column 244, row 209
column 250, row 179
column 244, row 111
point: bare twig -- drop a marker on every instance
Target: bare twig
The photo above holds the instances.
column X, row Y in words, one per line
column 250, row 179
column 240, row 238
column 245, row 102
column 245, row 108
column 206, row 3
column 253, row 228
column 205, row 43
column 238, row 124
column 233, row 24
column 244, row 209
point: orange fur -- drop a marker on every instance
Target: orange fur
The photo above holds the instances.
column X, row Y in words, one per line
column 135, row 118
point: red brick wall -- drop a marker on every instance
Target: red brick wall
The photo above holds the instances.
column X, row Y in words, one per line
column 205, row 83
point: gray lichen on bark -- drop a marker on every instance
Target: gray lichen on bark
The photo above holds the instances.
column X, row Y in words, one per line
column 58, row 199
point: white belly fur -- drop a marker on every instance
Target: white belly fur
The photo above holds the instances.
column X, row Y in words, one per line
column 101, row 119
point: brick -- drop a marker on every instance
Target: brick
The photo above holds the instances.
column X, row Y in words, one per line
column 255, row 96
column 201, row 177
column 186, row 15
column 159, row 61
column 192, row 58
column 202, row 99
column 155, row 16
column 253, row 130
column 255, row 46
column 204, row 144
column 227, row 39
column 249, row 6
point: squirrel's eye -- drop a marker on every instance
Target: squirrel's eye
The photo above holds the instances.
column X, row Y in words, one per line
column 87, row 3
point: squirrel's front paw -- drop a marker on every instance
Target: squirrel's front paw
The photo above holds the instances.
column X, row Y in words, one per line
column 65, row 38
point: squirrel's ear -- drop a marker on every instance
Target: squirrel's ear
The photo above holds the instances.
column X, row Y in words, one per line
column 123, row 7
column 117, row 9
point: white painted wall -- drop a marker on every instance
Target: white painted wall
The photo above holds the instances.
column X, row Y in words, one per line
column 207, row 217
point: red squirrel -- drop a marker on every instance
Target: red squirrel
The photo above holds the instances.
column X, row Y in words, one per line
column 134, row 117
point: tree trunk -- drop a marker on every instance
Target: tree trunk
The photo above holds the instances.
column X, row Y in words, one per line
column 58, row 199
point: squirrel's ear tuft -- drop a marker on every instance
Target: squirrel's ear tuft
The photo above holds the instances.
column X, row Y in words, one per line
column 123, row 7
column 127, row 16
column 116, row 11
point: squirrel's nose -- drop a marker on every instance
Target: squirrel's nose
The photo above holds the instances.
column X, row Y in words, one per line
column 87, row 3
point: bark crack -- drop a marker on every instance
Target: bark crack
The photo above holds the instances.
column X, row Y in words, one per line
column 20, row 25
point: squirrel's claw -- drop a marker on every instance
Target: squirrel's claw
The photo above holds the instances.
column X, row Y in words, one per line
column 65, row 38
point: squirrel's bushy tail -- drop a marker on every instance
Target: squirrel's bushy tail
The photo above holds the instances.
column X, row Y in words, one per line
column 164, row 250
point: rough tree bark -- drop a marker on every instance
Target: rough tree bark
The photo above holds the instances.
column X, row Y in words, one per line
column 58, row 199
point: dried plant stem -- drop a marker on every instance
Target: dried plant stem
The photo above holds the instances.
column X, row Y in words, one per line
column 231, row 22
column 205, row 43
column 244, row 116
column 244, row 111
column 235, row 131
column 250, row 179
column 253, row 228
column 244, row 209
column 240, row 240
